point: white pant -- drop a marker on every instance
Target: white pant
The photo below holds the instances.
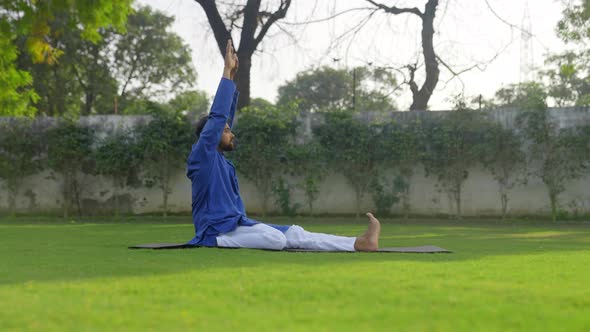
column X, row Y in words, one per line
column 261, row 236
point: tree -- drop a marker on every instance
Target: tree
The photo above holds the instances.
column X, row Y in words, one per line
column 568, row 78
column 30, row 19
column 569, row 74
column 54, row 82
column 265, row 133
column 69, row 153
column 325, row 88
column 17, row 96
column 352, row 150
column 192, row 102
column 91, row 64
column 283, row 196
column 148, row 55
column 385, row 193
column 146, row 59
column 254, row 21
column 146, row 106
column 555, row 155
column 523, row 96
column 451, row 148
column 317, row 89
column 502, row 154
column 164, row 143
column 420, row 95
column 118, row 157
column 402, row 146
column 307, row 161
column 20, row 155
column 574, row 26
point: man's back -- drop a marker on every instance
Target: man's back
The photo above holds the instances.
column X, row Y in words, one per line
column 216, row 203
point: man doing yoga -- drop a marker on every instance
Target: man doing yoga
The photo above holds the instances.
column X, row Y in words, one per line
column 217, row 208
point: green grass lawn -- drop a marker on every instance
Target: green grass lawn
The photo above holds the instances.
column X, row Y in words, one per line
column 63, row 275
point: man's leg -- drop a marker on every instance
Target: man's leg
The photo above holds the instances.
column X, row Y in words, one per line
column 369, row 241
column 259, row 236
column 299, row 238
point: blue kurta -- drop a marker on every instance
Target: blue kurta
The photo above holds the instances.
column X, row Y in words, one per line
column 216, row 203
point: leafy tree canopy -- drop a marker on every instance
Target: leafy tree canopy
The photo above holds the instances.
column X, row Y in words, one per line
column 31, row 20
column 363, row 88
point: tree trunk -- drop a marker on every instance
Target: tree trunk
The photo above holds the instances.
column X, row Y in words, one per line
column 458, row 200
column 77, row 195
column 359, row 197
column 88, row 102
column 165, row 204
column 243, row 80
column 422, row 96
column 264, row 184
column 60, row 93
column 255, row 25
column 66, row 195
column 264, row 202
column 553, row 200
column 12, row 201
column 116, row 199
column 504, row 201
column 165, row 191
column 406, row 202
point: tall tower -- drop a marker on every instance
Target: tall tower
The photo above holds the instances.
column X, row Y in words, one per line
column 526, row 46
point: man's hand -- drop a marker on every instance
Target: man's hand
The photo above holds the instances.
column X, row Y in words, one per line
column 231, row 61
column 235, row 70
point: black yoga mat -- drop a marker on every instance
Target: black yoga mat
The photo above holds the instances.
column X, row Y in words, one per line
column 420, row 249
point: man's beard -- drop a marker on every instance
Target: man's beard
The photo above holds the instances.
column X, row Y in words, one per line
column 228, row 147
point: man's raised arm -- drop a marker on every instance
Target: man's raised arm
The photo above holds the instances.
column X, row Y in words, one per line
column 224, row 103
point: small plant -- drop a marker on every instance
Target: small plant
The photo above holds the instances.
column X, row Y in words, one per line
column 20, row 155
column 265, row 133
column 385, row 194
column 351, row 150
column 118, row 157
column 69, row 153
column 282, row 190
column 556, row 155
column 164, row 144
column 307, row 162
column 451, row 149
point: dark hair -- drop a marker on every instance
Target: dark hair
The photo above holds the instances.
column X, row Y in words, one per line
column 200, row 125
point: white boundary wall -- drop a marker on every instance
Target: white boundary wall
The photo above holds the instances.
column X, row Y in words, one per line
column 41, row 192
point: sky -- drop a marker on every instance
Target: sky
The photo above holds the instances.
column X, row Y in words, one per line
column 480, row 37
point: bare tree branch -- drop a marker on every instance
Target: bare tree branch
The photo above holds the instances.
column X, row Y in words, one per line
column 233, row 17
column 219, row 29
column 354, row 30
column 454, row 74
column 324, row 19
column 412, row 82
column 255, row 26
column 500, row 18
column 396, row 10
column 247, row 39
column 272, row 18
column 481, row 66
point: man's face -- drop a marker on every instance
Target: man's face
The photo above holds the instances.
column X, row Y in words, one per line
column 227, row 140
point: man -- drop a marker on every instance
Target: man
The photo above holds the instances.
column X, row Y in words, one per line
column 217, row 208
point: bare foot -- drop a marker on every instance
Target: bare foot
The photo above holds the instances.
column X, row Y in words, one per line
column 369, row 241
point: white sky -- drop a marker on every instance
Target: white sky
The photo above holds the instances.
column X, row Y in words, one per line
column 467, row 33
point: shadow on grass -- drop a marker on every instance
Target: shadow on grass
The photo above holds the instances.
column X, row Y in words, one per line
column 45, row 250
